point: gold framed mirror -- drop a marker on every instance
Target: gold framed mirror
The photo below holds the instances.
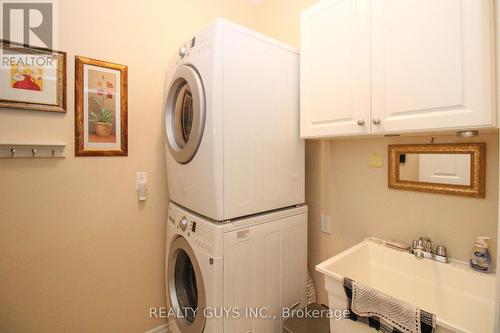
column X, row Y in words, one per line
column 457, row 169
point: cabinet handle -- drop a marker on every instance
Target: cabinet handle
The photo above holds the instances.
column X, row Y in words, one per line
column 361, row 122
column 376, row 121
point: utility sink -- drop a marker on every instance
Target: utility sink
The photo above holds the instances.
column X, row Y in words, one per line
column 462, row 299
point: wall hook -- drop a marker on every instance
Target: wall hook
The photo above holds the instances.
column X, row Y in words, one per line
column 31, row 150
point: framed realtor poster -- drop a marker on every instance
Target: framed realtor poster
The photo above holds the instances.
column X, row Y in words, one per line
column 32, row 78
column 100, row 108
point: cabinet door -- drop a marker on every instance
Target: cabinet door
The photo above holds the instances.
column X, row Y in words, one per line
column 265, row 268
column 431, row 65
column 335, row 69
column 445, row 169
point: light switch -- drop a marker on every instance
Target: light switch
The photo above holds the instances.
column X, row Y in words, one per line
column 376, row 161
column 142, row 185
column 326, row 224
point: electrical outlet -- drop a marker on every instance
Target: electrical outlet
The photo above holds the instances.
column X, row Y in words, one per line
column 326, row 224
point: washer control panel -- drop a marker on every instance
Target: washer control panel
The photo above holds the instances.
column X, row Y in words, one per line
column 183, row 224
column 203, row 236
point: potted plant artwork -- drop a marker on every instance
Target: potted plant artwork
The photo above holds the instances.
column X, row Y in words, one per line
column 103, row 117
column 101, row 108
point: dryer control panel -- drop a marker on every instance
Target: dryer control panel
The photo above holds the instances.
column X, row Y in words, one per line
column 199, row 44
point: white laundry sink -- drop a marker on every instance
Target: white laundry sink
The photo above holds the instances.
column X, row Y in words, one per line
column 462, row 299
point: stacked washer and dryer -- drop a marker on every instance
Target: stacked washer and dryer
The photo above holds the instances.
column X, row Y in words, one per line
column 236, row 247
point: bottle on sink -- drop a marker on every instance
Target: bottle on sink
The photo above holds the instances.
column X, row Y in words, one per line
column 480, row 259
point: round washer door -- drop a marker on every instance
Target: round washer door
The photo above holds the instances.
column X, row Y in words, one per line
column 185, row 113
column 185, row 287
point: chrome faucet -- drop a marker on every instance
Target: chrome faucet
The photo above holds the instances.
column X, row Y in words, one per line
column 422, row 248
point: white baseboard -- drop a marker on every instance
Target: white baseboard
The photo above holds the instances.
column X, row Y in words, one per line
column 159, row 329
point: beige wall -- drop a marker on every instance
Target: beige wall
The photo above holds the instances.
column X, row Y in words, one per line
column 280, row 19
column 410, row 170
column 340, row 183
column 78, row 253
column 497, row 22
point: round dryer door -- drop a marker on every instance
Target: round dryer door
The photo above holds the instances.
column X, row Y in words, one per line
column 185, row 114
column 185, row 287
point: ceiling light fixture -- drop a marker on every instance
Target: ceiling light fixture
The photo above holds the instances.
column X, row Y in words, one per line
column 467, row 134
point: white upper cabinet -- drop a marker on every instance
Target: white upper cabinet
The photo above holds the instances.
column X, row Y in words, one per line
column 335, row 69
column 431, row 64
column 401, row 66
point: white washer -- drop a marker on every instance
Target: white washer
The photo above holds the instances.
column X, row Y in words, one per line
column 232, row 124
column 252, row 262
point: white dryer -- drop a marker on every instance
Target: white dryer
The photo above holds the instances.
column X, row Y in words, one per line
column 232, row 124
column 248, row 264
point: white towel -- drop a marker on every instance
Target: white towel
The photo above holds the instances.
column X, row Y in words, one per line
column 367, row 302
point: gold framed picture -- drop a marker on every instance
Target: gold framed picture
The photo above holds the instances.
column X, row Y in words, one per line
column 32, row 78
column 100, row 108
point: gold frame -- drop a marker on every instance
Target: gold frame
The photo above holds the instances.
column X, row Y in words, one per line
column 80, row 62
column 60, row 107
column 478, row 168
